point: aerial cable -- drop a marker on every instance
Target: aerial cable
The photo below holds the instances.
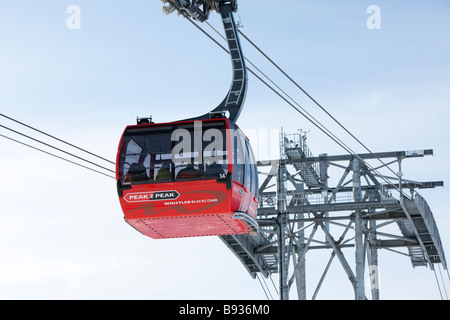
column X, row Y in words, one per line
column 303, row 90
column 303, row 112
column 443, row 282
column 270, row 276
column 267, row 287
column 51, row 136
column 315, row 101
column 267, row 296
column 293, row 101
column 48, row 145
column 438, row 285
column 259, row 78
column 56, row 156
column 276, row 92
column 336, row 140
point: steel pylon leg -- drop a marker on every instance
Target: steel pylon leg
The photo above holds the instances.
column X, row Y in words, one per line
column 359, row 242
column 282, row 221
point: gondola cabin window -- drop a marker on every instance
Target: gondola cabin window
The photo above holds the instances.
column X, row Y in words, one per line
column 191, row 151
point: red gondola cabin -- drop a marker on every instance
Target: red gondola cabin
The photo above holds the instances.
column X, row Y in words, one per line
column 187, row 179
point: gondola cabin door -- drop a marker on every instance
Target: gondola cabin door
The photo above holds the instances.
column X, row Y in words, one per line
column 187, row 179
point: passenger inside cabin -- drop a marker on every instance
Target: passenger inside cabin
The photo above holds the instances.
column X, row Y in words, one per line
column 215, row 170
column 135, row 173
column 164, row 173
column 190, row 172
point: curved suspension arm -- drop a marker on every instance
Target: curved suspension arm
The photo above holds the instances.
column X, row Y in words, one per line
column 234, row 100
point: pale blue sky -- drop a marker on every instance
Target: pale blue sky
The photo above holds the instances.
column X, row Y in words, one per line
column 63, row 235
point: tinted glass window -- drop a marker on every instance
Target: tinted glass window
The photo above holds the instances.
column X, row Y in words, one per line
column 254, row 171
column 238, row 159
column 174, row 153
column 248, row 172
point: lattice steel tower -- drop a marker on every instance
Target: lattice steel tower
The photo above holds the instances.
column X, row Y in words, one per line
column 303, row 203
column 301, row 210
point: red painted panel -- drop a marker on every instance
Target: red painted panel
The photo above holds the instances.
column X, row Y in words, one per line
column 183, row 209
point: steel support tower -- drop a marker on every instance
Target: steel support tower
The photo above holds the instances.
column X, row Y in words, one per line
column 302, row 208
